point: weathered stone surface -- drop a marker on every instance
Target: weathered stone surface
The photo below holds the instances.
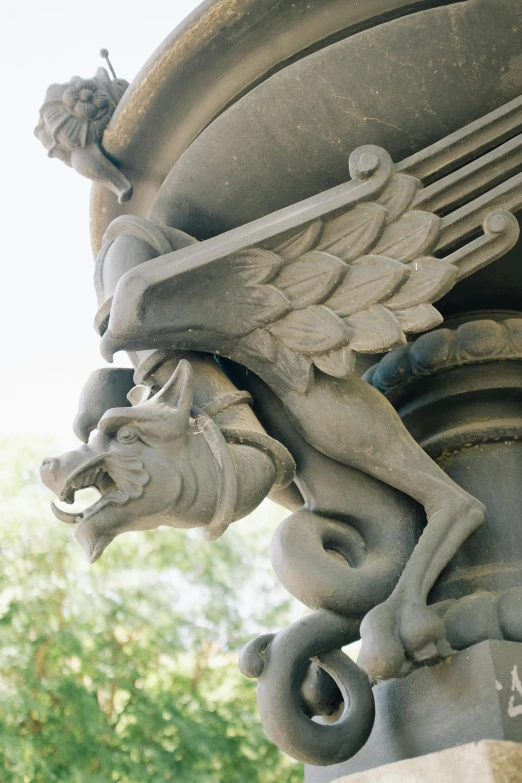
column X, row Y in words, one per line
column 307, row 263
column 217, row 55
column 471, row 696
column 401, row 85
column 478, row 762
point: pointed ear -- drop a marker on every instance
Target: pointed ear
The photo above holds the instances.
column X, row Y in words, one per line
column 139, row 394
column 177, row 392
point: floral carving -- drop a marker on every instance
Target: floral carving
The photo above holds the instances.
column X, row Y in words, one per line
column 350, row 270
column 73, row 119
column 86, row 100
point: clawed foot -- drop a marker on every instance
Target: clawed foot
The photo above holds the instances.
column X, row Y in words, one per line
column 397, row 635
column 402, row 632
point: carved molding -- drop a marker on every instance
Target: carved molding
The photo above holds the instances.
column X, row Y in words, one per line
column 477, row 341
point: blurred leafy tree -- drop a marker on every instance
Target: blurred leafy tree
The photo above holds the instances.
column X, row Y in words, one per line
column 126, row 670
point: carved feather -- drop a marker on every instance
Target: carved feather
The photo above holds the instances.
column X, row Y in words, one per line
column 355, row 269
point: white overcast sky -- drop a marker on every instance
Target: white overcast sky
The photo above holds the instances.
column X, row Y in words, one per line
column 49, row 345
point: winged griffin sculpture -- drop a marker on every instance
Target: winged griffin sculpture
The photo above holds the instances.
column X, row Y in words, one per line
column 286, row 303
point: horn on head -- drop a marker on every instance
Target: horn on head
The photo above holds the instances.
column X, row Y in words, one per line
column 177, row 392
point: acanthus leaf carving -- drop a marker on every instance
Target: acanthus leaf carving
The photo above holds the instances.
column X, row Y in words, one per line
column 338, row 363
column 293, row 368
column 270, row 358
column 419, row 318
column 240, row 286
column 328, row 273
column 314, row 330
column 299, row 243
column 260, row 343
column 296, row 339
column 255, row 266
column 375, row 330
column 398, row 195
column 428, row 280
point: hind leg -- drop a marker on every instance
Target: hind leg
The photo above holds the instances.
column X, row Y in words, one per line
column 401, row 630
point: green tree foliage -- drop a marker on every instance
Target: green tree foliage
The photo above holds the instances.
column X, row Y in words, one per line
column 126, row 670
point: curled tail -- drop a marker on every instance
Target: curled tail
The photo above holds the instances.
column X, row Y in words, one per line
column 329, row 564
column 281, row 663
column 343, row 571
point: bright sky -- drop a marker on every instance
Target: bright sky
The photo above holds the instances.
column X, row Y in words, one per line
column 48, row 304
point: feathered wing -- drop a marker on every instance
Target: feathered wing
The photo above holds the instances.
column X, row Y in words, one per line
column 354, row 278
column 365, row 281
column 358, row 283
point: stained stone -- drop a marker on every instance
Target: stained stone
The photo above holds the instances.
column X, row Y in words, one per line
column 313, row 188
column 473, row 695
column 478, row 762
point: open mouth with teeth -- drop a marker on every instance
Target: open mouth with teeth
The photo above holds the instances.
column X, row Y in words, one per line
column 117, row 478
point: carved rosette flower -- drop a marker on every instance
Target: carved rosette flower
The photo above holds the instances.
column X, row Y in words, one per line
column 90, row 104
column 76, row 114
column 73, row 119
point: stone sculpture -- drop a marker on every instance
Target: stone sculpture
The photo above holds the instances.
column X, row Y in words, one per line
column 73, row 118
column 248, row 349
column 142, row 460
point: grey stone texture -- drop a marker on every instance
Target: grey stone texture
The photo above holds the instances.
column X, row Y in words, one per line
column 308, row 187
column 479, row 762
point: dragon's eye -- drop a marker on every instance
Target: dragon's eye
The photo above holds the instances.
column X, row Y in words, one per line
column 126, row 435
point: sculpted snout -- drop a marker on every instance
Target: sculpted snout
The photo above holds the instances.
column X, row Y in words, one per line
column 55, row 471
column 155, row 463
column 119, row 478
column 49, row 470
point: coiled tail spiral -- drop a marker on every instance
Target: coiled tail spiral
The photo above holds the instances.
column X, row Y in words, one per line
column 281, row 663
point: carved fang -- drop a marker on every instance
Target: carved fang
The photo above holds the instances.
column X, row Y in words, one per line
column 65, row 516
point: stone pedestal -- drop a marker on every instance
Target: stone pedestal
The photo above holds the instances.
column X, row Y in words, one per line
column 478, row 762
column 474, row 695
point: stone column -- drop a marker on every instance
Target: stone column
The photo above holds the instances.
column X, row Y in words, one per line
column 458, row 390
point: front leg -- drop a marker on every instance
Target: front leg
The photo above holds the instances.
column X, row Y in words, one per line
column 403, row 631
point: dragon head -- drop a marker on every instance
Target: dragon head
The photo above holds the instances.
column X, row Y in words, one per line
column 147, row 465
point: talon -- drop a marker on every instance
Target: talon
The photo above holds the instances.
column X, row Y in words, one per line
column 419, row 628
column 406, row 669
column 396, row 635
column 382, row 664
column 428, row 653
column 382, row 656
column 444, row 649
